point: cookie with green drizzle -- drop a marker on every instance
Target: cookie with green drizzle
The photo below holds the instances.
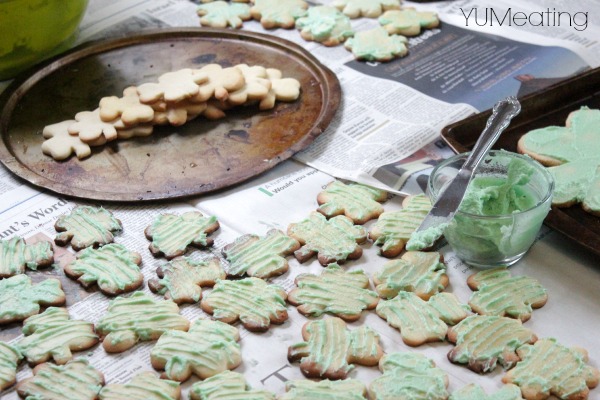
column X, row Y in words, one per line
column 335, row 291
column 365, row 8
column 144, row 385
column 476, row 392
column 251, row 300
column 497, row 292
column 408, row 21
column 422, row 321
column 137, row 317
column 227, row 385
column 18, row 255
column 333, row 241
column 208, row 348
column 330, row 349
column 220, row 14
column 112, row 267
column 53, row 335
column 278, row 13
column 182, row 278
column 409, row 376
column 549, row 368
column 77, row 380
column 482, row 342
column 20, row 298
column 392, row 229
column 377, row 45
column 423, row 273
column 86, row 226
column 358, row 202
column 172, row 234
column 9, row 360
column 261, row 257
column 326, row 25
column 347, row 389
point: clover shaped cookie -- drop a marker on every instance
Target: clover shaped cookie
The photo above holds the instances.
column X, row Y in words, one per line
column 326, row 25
column 251, row 300
column 137, row 317
column 53, row 335
column 347, row 389
column 282, row 89
column 208, row 348
column 261, row 257
column 227, row 385
column 333, row 241
column 377, row 45
column 60, row 144
column 407, row 374
column 218, row 82
column 408, row 21
column 128, row 108
column 91, row 128
column 422, row 321
column 278, row 13
column 483, row 341
column 536, row 373
column 358, row 202
column 393, row 229
column 256, row 86
column 330, row 349
column 473, row 391
column 77, row 378
column 335, row 291
column 172, row 86
column 365, row 8
column 21, row 299
column 181, row 279
column 9, row 360
column 18, row 255
column 144, row 385
column 497, row 292
column 86, row 226
column 220, row 14
column 172, row 234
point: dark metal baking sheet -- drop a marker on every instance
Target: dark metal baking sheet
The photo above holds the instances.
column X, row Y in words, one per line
column 550, row 106
column 198, row 157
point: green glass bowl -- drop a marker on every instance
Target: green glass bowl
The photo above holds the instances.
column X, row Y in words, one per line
column 33, row 30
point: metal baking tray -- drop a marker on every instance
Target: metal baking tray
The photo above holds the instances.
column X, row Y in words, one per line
column 550, row 106
column 198, row 157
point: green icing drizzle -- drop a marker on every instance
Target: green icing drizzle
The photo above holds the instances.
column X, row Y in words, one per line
column 171, row 234
column 9, row 359
column 227, row 385
column 20, row 298
column 475, row 392
column 87, row 226
column 348, row 389
column 144, row 386
column 357, row 202
column 15, row 255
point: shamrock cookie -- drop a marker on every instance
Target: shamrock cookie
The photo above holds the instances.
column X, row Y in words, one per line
column 549, row 368
column 422, row 321
column 475, row 392
column 128, row 108
column 171, row 87
column 497, row 292
column 347, row 389
column 114, row 268
column 330, row 349
column 181, row 279
column 420, row 272
column 483, row 341
column 137, row 317
column 376, row 45
column 86, row 226
column 60, row 144
column 358, row 202
column 344, row 294
column 9, row 360
column 17, row 255
column 220, row 14
column 227, row 385
column 218, row 82
column 53, row 335
column 333, row 240
column 326, row 25
column 21, row 299
column 91, row 128
column 260, row 257
column 278, row 13
column 408, row 21
column 144, row 386
column 282, row 89
column 365, row 8
column 251, row 300
column 77, row 380
column 393, row 229
column 256, row 85
column 409, row 376
column 209, row 347
column 172, row 234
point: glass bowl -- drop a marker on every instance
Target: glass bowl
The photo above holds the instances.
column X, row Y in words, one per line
column 32, row 30
column 503, row 210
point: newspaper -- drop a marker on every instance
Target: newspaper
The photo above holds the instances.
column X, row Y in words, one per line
column 390, row 140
